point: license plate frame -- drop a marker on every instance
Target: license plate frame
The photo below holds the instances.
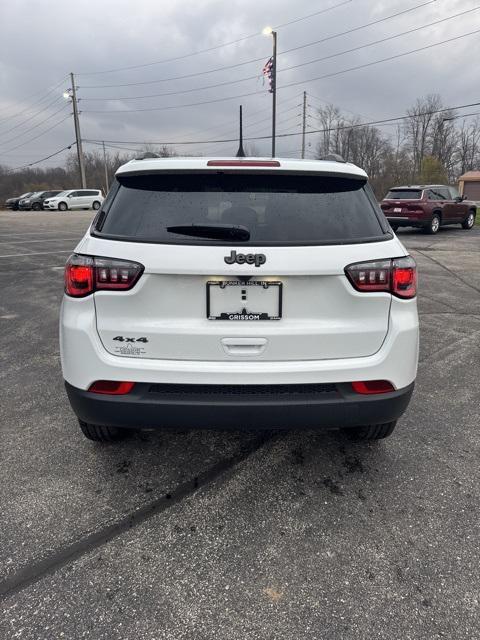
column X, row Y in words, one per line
column 245, row 315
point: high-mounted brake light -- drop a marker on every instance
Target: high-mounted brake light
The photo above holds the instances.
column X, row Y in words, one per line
column 397, row 276
column 111, row 387
column 243, row 163
column 86, row 274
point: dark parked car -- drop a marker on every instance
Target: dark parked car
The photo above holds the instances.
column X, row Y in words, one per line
column 35, row 200
column 12, row 203
column 427, row 206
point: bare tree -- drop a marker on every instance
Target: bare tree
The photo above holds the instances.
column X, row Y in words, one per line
column 444, row 141
column 419, row 129
column 331, row 121
column 468, row 146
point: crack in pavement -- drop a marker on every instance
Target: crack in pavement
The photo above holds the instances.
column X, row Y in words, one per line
column 449, row 313
column 39, row 569
column 455, row 275
column 447, row 348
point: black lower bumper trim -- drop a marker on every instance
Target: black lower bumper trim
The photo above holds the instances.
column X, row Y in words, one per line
column 293, row 406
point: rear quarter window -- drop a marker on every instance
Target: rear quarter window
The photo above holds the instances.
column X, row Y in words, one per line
column 281, row 209
column 404, row 194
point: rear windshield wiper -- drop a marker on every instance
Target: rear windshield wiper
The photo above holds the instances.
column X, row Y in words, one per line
column 217, row 231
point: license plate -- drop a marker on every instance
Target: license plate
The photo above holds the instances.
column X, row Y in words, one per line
column 252, row 300
column 397, row 210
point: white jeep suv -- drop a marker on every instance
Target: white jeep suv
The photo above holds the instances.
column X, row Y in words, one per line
column 75, row 199
column 239, row 293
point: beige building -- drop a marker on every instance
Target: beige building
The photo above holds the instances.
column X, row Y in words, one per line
column 469, row 185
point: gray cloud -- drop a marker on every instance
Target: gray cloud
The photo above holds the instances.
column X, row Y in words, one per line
column 43, row 41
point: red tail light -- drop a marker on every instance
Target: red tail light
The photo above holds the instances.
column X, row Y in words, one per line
column 86, row 274
column 397, row 276
column 373, row 386
column 111, row 387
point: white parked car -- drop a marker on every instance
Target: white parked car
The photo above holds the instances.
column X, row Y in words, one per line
column 75, row 199
column 239, row 293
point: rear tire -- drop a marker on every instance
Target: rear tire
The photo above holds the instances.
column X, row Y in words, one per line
column 434, row 225
column 469, row 221
column 36, row 206
column 62, row 206
column 371, row 432
column 100, row 433
column 96, row 205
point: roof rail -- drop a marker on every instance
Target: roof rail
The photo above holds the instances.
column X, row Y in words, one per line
column 334, row 157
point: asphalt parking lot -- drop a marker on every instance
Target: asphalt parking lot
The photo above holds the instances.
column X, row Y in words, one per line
column 237, row 535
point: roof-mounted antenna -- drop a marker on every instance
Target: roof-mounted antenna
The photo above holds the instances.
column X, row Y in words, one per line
column 241, row 152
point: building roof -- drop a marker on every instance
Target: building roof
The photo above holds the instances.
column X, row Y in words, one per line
column 471, row 176
column 195, row 164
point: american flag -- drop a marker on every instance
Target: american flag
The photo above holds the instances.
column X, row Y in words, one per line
column 267, row 72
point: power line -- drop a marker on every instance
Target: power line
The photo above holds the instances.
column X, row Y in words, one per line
column 363, row 26
column 311, row 131
column 246, row 62
column 20, row 135
column 296, row 66
column 324, row 102
column 291, row 84
column 218, row 46
column 20, row 124
column 174, row 106
column 19, row 113
column 39, row 135
column 233, row 122
column 31, row 164
column 395, row 57
column 120, row 147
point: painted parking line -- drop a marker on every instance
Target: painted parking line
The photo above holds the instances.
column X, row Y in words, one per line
column 42, row 240
column 36, row 253
column 31, row 233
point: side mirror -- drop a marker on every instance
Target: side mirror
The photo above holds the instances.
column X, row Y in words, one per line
column 459, row 199
column 70, row 195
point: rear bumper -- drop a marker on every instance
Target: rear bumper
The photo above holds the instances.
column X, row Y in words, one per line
column 323, row 406
column 405, row 221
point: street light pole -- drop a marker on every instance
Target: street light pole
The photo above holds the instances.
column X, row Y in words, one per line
column 267, row 32
column 78, row 136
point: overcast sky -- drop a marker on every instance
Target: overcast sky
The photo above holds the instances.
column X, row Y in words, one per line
column 43, row 41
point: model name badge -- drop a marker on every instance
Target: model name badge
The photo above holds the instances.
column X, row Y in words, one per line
column 246, row 258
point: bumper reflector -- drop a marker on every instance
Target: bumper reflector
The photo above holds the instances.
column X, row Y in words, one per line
column 373, row 386
column 111, row 387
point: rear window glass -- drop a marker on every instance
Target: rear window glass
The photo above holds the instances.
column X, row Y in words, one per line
column 404, row 194
column 274, row 209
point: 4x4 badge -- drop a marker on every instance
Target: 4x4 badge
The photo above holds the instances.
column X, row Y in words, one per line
column 250, row 258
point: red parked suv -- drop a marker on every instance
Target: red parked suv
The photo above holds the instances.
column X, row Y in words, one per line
column 428, row 206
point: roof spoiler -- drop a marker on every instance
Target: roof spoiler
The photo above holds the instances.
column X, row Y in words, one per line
column 334, row 157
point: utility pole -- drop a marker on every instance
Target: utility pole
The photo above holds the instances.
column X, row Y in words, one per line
column 76, row 121
column 106, row 167
column 304, row 122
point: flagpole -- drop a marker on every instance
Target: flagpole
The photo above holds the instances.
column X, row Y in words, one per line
column 268, row 31
column 274, row 93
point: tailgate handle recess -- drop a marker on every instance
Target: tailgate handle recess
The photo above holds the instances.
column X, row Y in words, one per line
column 244, row 346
